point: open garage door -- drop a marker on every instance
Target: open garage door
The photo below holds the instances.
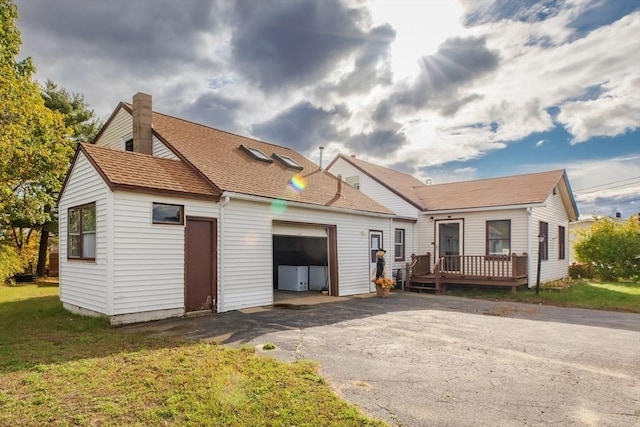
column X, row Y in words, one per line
column 305, row 249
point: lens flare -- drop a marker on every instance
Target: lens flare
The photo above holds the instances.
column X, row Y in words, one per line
column 278, row 207
column 297, row 183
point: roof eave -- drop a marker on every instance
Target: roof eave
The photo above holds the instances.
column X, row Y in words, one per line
column 484, row 208
column 158, row 191
column 262, row 199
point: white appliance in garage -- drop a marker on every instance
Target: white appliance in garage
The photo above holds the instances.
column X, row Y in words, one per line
column 318, row 279
column 293, row 278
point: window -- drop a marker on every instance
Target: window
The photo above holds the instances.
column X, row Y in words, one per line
column 128, row 145
column 499, row 237
column 289, row 162
column 164, row 213
column 544, row 247
column 398, row 254
column 256, row 154
column 81, row 232
column 561, row 246
column 353, row 181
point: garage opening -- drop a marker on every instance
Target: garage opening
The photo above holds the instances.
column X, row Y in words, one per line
column 300, row 258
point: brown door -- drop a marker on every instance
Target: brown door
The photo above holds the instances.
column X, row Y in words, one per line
column 200, row 266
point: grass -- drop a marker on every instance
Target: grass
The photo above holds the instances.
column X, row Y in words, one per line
column 57, row 368
column 612, row 296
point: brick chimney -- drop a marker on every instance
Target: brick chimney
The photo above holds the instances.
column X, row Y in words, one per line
column 339, row 191
column 142, row 124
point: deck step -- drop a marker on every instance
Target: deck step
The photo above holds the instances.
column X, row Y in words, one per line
column 422, row 287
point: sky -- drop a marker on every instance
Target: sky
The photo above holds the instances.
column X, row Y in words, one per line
column 444, row 90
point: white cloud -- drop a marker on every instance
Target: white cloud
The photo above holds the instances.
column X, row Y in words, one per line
column 615, row 112
column 540, row 143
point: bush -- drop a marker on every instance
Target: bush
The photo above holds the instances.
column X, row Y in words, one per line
column 10, row 263
column 611, row 248
column 581, row 271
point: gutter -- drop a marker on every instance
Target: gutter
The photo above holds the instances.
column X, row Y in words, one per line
column 260, row 199
column 482, row 209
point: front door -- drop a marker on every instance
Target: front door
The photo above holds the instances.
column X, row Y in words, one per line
column 200, row 272
column 449, row 238
column 375, row 242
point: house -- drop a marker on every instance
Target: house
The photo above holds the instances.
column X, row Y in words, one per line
column 161, row 216
column 481, row 232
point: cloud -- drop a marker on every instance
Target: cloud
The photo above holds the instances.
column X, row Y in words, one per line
column 615, row 112
column 216, row 111
column 539, row 143
column 371, row 66
column 303, row 127
column 458, row 62
column 278, row 44
column 119, row 47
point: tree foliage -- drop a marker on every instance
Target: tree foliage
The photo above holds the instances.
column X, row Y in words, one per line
column 612, row 248
column 78, row 117
column 35, row 147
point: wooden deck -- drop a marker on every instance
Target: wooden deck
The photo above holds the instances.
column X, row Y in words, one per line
column 504, row 271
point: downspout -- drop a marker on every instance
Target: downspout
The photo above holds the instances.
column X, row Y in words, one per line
column 221, row 250
column 529, row 249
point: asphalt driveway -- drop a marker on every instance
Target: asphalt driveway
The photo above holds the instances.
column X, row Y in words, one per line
column 425, row 360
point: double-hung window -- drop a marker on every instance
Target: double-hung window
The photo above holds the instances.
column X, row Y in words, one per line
column 498, row 238
column 561, row 242
column 81, row 232
column 544, row 246
column 399, row 245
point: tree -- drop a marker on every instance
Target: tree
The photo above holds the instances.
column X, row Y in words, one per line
column 612, row 248
column 77, row 116
column 34, row 144
column 84, row 126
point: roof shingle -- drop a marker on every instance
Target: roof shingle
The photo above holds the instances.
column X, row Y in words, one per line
column 217, row 154
column 144, row 172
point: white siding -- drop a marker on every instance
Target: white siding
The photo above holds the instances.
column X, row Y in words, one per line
column 120, row 127
column 148, row 261
column 85, row 284
column 555, row 214
column 375, row 190
column 475, row 230
column 161, row 150
column 247, row 250
column 246, row 277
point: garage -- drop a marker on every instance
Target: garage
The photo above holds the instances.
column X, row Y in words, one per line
column 301, row 257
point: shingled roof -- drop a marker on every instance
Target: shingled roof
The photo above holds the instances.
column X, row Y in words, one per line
column 516, row 190
column 217, row 158
column 527, row 189
column 140, row 172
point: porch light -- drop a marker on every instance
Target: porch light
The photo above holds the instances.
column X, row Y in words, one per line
column 541, row 238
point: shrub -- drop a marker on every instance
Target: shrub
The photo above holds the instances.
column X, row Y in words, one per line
column 611, row 248
column 581, row 271
column 10, row 263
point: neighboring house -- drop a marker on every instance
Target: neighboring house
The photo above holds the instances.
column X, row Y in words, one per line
column 574, row 230
column 162, row 217
column 481, row 222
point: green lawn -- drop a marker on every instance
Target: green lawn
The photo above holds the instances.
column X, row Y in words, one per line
column 60, row 369
column 613, row 296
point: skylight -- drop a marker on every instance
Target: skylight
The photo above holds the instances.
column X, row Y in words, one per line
column 288, row 161
column 256, row 154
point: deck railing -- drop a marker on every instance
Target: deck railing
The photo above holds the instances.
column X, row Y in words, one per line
column 504, row 266
column 419, row 265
